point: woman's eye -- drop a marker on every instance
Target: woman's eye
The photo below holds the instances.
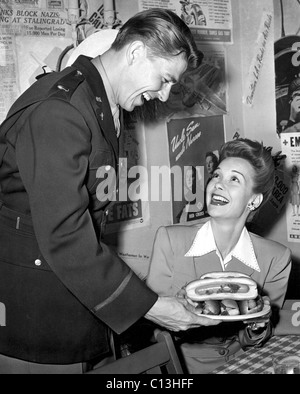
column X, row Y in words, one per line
column 216, row 176
column 235, row 179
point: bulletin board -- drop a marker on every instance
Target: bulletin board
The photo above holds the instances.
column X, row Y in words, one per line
column 41, row 34
column 37, row 34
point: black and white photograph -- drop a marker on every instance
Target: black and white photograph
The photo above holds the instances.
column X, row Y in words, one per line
column 150, row 190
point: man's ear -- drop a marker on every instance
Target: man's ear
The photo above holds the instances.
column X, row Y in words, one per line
column 135, row 51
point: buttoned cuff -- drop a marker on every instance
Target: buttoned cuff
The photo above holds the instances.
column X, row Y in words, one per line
column 249, row 338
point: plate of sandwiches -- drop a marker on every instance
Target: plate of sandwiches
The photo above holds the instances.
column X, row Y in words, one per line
column 227, row 297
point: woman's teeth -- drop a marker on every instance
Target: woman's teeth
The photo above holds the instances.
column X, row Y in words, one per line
column 147, row 96
column 219, row 199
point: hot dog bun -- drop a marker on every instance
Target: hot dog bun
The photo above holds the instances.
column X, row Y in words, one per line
column 225, row 294
column 222, row 286
column 223, row 275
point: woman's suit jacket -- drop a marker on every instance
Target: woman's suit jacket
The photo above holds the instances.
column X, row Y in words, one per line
column 207, row 348
column 170, row 270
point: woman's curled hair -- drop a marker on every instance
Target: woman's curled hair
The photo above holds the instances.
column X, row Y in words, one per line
column 260, row 159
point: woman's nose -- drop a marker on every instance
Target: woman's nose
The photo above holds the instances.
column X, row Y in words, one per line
column 219, row 185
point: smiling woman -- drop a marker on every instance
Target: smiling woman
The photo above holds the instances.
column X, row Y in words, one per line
column 260, row 160
column 241, row 184
column 232, row 186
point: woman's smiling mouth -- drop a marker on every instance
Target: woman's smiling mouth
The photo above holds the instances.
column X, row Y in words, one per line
column 218, row 200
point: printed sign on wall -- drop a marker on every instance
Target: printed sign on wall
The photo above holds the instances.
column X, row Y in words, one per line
column 210, row 20
column 194, row 145
column 291, row 148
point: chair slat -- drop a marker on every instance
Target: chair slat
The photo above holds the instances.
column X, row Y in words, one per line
column 147, row 361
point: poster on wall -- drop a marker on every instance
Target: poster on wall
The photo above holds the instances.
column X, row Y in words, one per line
column 281, row 191
column 202, row 92
column 131, row 209
column 194, row 145
column 287, row 65
column 291, row 148
column 209, row 20
column 287, row 68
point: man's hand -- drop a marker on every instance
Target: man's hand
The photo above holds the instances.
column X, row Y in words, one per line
column 177, row 315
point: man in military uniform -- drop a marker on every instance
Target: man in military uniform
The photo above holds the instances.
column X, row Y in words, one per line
column 61, row 285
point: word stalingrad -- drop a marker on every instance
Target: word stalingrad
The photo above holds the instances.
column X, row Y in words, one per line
column 2, row 315
column 158, row 184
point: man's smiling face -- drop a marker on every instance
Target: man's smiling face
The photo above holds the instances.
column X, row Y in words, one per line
column 150, row 78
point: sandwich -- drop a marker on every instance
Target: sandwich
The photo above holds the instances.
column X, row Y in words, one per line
column 224, row 294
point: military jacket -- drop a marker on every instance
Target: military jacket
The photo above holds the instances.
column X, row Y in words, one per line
column 52, row 144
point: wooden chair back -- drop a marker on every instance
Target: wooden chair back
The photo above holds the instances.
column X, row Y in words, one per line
column 159, row 358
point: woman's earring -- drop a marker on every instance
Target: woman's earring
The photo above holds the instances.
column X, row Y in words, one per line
column 251, row 207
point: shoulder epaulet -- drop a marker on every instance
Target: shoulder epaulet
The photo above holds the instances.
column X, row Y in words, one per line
column 65, row 87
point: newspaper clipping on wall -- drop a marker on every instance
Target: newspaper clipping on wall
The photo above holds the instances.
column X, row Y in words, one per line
column 291, row 148
column 33, row 33
column 210, row 20
column 38, row 36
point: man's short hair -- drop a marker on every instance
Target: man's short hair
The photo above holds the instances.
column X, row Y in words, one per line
column 163, row 32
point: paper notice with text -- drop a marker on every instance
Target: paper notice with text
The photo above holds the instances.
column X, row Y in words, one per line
column 23, row 26
column 209, row 20
column 291, row 148
column 8, row 72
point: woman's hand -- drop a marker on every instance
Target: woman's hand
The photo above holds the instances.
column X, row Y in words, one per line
column 261, row 322
column 176, row 314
